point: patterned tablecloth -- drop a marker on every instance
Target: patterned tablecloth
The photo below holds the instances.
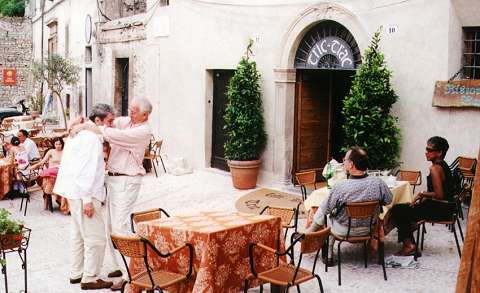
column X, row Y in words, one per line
column 402, row 193
column 5, row 178
column 220, row 241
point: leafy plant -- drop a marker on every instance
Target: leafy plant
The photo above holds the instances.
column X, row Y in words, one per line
column 57, row 72
column 8, row 225
column 12, row 7
column 368, row 122
column 244, row 123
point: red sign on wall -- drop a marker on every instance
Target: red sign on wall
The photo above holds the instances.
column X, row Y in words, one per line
column 9, row 76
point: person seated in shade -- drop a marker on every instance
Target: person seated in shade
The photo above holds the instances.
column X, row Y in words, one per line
column 357, row 188
column 48, row 175
column 29, row 145
column 427, row 205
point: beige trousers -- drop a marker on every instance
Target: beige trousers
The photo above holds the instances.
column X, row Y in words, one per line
column 87, row 236
column 122, row 193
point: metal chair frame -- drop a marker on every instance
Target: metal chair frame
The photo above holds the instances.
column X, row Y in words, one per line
column 154, row 154
column 295, row 238
column 147, row 244
column 351, row 208
column 285, row 225
column 26, row 182
column 450, row 223
column 134, row 215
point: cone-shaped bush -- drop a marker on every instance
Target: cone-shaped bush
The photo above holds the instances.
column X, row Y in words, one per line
column 244, row 124
column 368, row 122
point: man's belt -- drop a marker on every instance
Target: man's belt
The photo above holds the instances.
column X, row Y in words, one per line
column 116, row 174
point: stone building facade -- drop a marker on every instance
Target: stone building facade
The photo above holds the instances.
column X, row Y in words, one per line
column 180, row 54
column 15, row 53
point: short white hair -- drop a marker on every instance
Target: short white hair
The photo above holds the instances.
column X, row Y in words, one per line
column 143, row 105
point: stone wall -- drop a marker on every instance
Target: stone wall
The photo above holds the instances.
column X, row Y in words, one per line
column 15, row 52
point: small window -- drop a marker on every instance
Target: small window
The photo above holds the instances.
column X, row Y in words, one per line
column 88, row 54
column 471, row 52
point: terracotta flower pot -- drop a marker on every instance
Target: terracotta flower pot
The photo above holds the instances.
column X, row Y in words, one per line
column 10, row 241
column 244, row 173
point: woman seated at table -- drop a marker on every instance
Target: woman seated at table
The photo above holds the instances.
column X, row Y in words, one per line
column 18, row 154
column 427, row 205
column 48, row 175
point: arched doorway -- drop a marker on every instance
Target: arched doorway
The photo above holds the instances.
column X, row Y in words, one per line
column 325, row 63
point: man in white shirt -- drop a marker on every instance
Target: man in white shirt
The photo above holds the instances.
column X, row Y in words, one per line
column 29, row 145
column 81, row 180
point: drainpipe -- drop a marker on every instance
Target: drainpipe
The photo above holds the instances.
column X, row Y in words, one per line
column 42, row 9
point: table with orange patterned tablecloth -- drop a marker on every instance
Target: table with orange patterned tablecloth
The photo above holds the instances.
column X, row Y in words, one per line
column 220, row 241
column 6, row 173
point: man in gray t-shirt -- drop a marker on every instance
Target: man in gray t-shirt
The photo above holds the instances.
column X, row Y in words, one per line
column 358, row 187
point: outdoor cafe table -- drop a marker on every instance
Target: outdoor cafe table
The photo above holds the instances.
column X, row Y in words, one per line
column 220, row 241
column 402, row 193
column 6, row 171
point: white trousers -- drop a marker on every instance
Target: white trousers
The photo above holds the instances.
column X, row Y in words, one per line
column 122, row 193
column 87, row 236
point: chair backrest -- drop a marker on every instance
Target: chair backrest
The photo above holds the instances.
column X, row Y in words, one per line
column 286, row 214
column 147, row 215
column 465, row 163
column 312, row 242
column 413, row 177
column 157, row 146
column 308, row 177
column 131, row 246
column 363, row 209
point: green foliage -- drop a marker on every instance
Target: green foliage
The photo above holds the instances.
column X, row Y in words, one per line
column 368, row 122
column 8, row 225
column 12, row 7
column 244, row 124
column 57, row 72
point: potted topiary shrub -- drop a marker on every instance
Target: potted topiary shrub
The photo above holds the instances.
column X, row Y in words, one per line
column 244, row 123
column 10, row 231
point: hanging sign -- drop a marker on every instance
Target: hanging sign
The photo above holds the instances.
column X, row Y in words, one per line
column 9, row 76
column 333, row 47
column 457, row 93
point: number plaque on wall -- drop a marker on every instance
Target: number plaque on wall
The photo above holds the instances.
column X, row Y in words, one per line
column 457, row 93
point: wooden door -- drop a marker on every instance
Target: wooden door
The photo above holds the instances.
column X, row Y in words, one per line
column 220, row 83
column 318, row 119
column 312, row 119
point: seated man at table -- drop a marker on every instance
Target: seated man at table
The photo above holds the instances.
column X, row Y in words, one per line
column 358, row 187
column 29, row 145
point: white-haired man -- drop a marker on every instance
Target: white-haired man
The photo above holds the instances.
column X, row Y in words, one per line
column 128, row 138
column 81, row 179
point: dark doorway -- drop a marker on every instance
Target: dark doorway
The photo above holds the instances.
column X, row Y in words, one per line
column 220, row 84
column 318, row 118
column 121, row 85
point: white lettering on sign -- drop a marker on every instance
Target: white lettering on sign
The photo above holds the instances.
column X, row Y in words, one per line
column 331, row 46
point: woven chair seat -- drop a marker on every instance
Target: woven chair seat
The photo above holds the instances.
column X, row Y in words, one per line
column 351, row 239
column 160, row 279
column 283, row 273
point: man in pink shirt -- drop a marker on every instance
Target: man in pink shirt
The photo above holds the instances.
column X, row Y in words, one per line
column 129, row 137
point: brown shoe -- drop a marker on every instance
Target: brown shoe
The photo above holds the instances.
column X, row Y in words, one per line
column 98, row 284
column 75, row 281
column 115, row 274
column 118, row 286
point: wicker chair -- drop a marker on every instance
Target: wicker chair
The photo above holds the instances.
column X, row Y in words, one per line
column 28, row 184
column 289, row 275
column 450, row 223
column 413, row 177
column 286, row 214
column 361, row 210
column 149, row 279
column 148, row 215
column 306, row 180
column 154, row 155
